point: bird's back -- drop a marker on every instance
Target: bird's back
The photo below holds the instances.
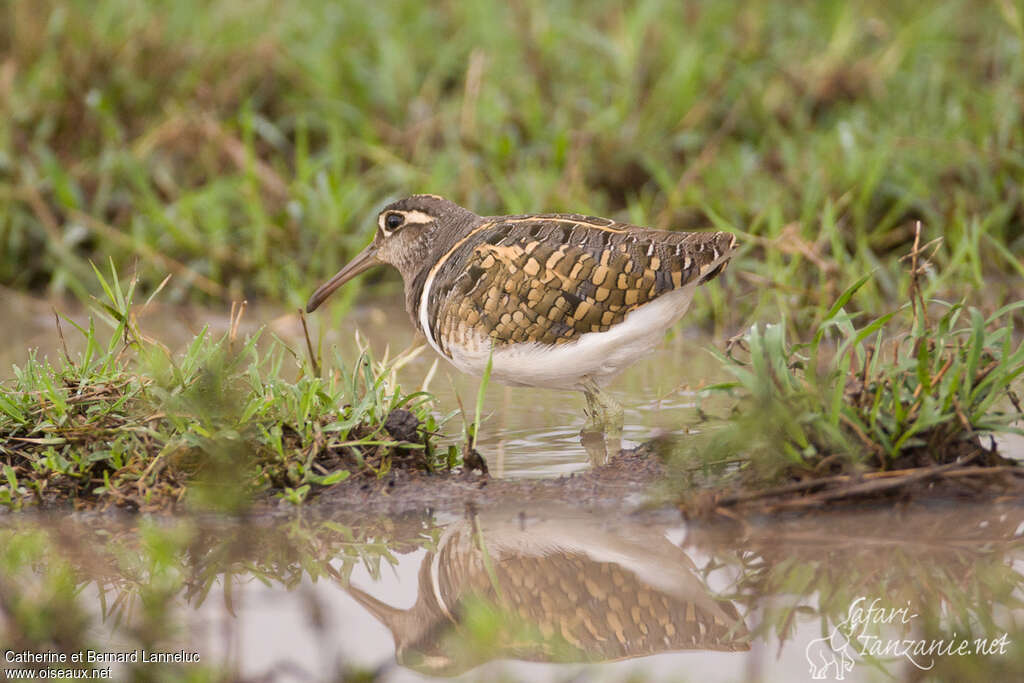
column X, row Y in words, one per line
column 551, row 279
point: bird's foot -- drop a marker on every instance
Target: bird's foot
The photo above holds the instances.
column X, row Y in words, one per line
column 602, row 435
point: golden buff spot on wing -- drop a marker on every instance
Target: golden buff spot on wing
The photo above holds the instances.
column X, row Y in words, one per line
column 622, row 282
column 632, row 296
column 600, row 273
column 506, row 254
column 602, row 294
column 655, row 263
column 582, row 309
column 555, row 258
column 532, row 267
column 550, row 275
column 677, row 279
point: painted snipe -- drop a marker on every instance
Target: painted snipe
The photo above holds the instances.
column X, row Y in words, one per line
column 562, row 301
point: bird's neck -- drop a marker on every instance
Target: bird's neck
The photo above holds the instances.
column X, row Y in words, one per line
column 427, row 253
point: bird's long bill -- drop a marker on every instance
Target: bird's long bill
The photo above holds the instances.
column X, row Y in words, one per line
column 364, row 260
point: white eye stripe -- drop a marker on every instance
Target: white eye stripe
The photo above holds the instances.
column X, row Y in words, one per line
column 409, row 217
column 418, row 217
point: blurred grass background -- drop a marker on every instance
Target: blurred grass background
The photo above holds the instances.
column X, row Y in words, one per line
column 246, row 146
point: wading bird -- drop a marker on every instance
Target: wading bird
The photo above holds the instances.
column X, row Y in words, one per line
column 561, row 301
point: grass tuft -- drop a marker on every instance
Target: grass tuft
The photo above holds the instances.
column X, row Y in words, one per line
column 128, row 423
column 866, row 399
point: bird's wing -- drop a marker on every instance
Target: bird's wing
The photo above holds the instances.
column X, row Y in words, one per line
column 552, row 278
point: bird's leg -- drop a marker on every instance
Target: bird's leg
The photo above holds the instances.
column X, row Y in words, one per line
column 614, row 418
column 603, row 410
column 611, row 410
column 604, row 424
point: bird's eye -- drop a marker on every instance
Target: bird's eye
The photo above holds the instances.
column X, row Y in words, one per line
column 393, row 221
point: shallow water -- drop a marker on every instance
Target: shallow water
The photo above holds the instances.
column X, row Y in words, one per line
column 526, row 432
column 531, row 432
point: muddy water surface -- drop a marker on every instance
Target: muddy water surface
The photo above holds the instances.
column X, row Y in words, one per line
column 554, row 594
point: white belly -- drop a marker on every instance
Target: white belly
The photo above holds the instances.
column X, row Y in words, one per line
column 595, row 355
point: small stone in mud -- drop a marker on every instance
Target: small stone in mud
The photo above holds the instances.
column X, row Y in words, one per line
column 402, row 425
column 474, row 461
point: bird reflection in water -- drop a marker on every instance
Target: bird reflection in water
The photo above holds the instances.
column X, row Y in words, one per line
column 565, row 589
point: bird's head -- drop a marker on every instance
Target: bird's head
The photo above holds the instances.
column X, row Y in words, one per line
column 409, row 231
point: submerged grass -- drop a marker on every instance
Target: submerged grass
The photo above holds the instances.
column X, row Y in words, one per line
column 131, row 424
column 866, row 407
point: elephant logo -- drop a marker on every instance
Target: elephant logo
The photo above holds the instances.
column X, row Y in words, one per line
column 833, row 653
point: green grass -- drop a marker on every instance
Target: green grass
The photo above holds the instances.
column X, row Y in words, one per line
column 130, row 424
column 917, row 387
column 246, row 146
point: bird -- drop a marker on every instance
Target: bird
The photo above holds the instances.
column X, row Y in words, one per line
column 552, row 300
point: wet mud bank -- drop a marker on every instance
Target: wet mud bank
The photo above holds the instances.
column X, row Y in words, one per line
column 978, row 477
column 625, row 481
column 641, row 479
